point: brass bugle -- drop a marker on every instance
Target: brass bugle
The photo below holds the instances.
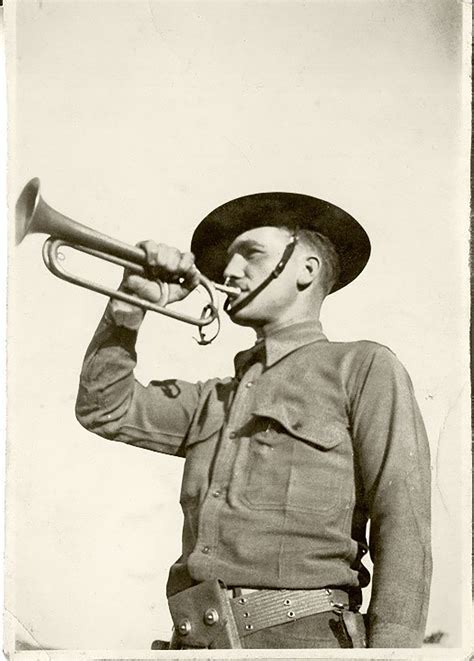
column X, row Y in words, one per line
column 34, row 215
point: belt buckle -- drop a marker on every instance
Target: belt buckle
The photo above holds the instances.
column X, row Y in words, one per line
column 337, row 606
column 236, row 592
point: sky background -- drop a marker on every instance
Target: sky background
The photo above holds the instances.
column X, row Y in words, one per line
column 141, row 117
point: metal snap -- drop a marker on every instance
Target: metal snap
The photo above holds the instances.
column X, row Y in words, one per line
column 249, row 627
column 287, row 602
column 206, row 550
column 291, row 614
column 184, row 627
column 242, row 600
column 246, row 614
column 211, row 616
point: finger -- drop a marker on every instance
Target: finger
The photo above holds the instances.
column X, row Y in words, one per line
column 166, row 263
column 192, row 277
column 189, row 273
column 186, row 262
column 151, row 249
column 135, row 283
column 172, row 260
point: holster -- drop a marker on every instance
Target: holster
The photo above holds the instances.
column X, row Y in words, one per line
column 355, row 628
column 203, row 618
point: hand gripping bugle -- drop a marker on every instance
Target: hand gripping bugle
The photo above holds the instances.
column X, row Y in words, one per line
column 34, row 215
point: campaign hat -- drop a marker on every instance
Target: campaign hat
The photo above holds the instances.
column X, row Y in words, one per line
column 218, row 229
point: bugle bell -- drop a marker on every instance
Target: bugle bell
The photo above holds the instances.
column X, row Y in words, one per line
column 34, row 215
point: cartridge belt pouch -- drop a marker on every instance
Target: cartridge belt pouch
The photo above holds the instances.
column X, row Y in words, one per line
column 203, row 618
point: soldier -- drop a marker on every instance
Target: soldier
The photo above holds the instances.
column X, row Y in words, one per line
column 288, row 460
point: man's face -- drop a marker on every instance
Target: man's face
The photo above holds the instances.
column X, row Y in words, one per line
column 251, row 258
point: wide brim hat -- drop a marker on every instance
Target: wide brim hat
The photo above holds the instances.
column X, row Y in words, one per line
column 217, row 231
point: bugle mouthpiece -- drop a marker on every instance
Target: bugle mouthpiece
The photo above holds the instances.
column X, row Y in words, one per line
column 226, row 289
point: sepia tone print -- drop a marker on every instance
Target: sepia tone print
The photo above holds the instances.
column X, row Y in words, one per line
column 285, row 183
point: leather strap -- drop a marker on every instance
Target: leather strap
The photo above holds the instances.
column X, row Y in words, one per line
column 267, row 608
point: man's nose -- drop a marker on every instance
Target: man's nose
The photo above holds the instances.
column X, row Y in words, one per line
column 234, row 268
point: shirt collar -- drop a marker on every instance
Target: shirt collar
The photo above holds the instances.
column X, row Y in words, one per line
column 279, row 342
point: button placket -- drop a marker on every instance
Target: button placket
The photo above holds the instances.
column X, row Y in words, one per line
column 223, row 467
column 242, row 419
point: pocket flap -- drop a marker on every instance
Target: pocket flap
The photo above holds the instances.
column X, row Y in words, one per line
column 324, row 431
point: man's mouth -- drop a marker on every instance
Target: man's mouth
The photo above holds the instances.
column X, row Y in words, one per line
column 234, row 296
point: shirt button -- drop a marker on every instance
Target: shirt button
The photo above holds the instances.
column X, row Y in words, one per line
column 249, row 384
column 216, row 493
column 206, row 550
column 232, row 434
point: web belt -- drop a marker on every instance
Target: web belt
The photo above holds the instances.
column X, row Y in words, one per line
column 267, row 608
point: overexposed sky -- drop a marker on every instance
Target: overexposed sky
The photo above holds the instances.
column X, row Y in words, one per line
column 139, row 118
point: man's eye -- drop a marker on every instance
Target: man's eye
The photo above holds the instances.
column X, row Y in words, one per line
column 253, row 253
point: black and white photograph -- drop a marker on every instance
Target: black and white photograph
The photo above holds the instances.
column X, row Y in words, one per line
column 239, row 415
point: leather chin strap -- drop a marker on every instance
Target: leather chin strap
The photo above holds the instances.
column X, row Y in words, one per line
column 285, row 258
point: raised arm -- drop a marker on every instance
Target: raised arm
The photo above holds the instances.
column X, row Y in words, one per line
column 110, row 401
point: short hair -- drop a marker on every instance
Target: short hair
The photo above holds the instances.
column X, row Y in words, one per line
column 330, row 262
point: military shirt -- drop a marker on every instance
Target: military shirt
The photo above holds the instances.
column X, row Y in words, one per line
column 285, row 464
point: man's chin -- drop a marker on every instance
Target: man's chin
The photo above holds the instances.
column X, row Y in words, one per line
column 242, row 317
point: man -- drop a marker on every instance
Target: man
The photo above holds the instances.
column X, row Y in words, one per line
column 286, row 462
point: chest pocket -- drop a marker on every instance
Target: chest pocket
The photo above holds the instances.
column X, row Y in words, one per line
column 305, row 467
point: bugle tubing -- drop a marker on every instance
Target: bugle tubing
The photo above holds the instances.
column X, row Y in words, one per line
column 34, row 215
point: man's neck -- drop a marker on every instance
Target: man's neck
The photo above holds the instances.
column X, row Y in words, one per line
column 277, row 324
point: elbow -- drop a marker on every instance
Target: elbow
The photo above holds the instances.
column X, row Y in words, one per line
column 98, row 423
column 95, row 418
column 83, row 409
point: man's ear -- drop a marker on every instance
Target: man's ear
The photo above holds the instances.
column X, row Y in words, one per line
column 309, row 271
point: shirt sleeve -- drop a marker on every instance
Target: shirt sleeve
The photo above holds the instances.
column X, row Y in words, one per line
column 114, row 405
column 392, row 453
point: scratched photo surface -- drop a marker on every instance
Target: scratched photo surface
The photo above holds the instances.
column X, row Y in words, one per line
column 141, row 117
